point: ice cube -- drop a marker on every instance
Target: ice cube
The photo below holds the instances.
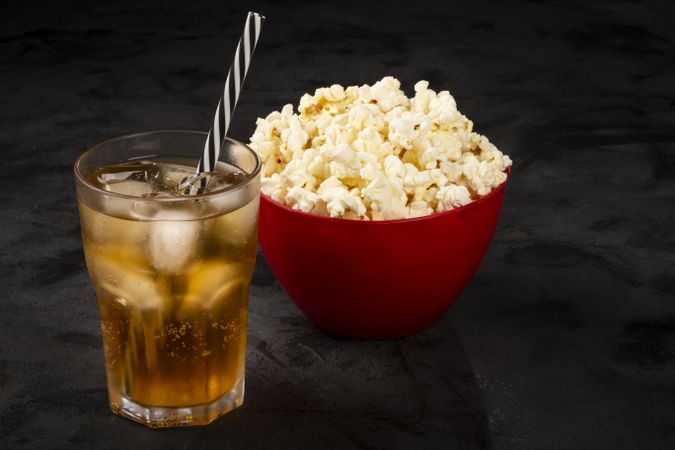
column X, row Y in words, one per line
column 213, row 281
column 144, row 171
column 219, row 180
column 209, row 182
column 172, row 175
column 106, row 229
column 238, row 227
column 193, row 184
column 173, row 243
column 120, row 275
column 160, row 194
column 138, row 290
column 130, row 187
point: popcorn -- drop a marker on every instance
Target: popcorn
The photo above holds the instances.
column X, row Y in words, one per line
column 301, row 199
column 387, row 198
column 372, row 153
column 387, row 94
column 339, row 200
column 452, row 196
column 419, row 208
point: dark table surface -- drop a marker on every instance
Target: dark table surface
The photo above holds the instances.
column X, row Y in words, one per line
column 564, row 339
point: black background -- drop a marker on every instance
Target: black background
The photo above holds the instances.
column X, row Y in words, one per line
column 566, row 336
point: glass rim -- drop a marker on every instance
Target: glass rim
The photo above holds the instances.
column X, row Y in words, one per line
column 83, row 180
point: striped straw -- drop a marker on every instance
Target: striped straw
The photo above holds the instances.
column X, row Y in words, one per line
column 233, row 84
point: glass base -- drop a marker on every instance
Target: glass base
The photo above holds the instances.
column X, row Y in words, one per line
column 162, row 417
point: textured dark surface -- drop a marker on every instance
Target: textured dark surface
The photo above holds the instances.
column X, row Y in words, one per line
column 565, row 338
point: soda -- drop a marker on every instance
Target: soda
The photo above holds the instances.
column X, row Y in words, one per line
column 171, row 276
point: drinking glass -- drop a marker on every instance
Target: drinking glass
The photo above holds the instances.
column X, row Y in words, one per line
column 171, row 276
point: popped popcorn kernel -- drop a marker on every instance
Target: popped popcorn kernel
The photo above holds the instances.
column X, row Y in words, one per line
column 371, row 153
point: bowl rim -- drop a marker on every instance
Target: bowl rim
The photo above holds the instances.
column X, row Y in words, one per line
column 494, row 192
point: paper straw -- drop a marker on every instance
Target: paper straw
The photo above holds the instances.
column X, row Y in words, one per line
column 233, row 84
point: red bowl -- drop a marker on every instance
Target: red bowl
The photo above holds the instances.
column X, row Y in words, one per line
column 377, row 279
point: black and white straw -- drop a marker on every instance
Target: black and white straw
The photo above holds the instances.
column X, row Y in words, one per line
column 233, row 84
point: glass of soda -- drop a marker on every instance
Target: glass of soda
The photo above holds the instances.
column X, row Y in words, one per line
column 170, row 255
